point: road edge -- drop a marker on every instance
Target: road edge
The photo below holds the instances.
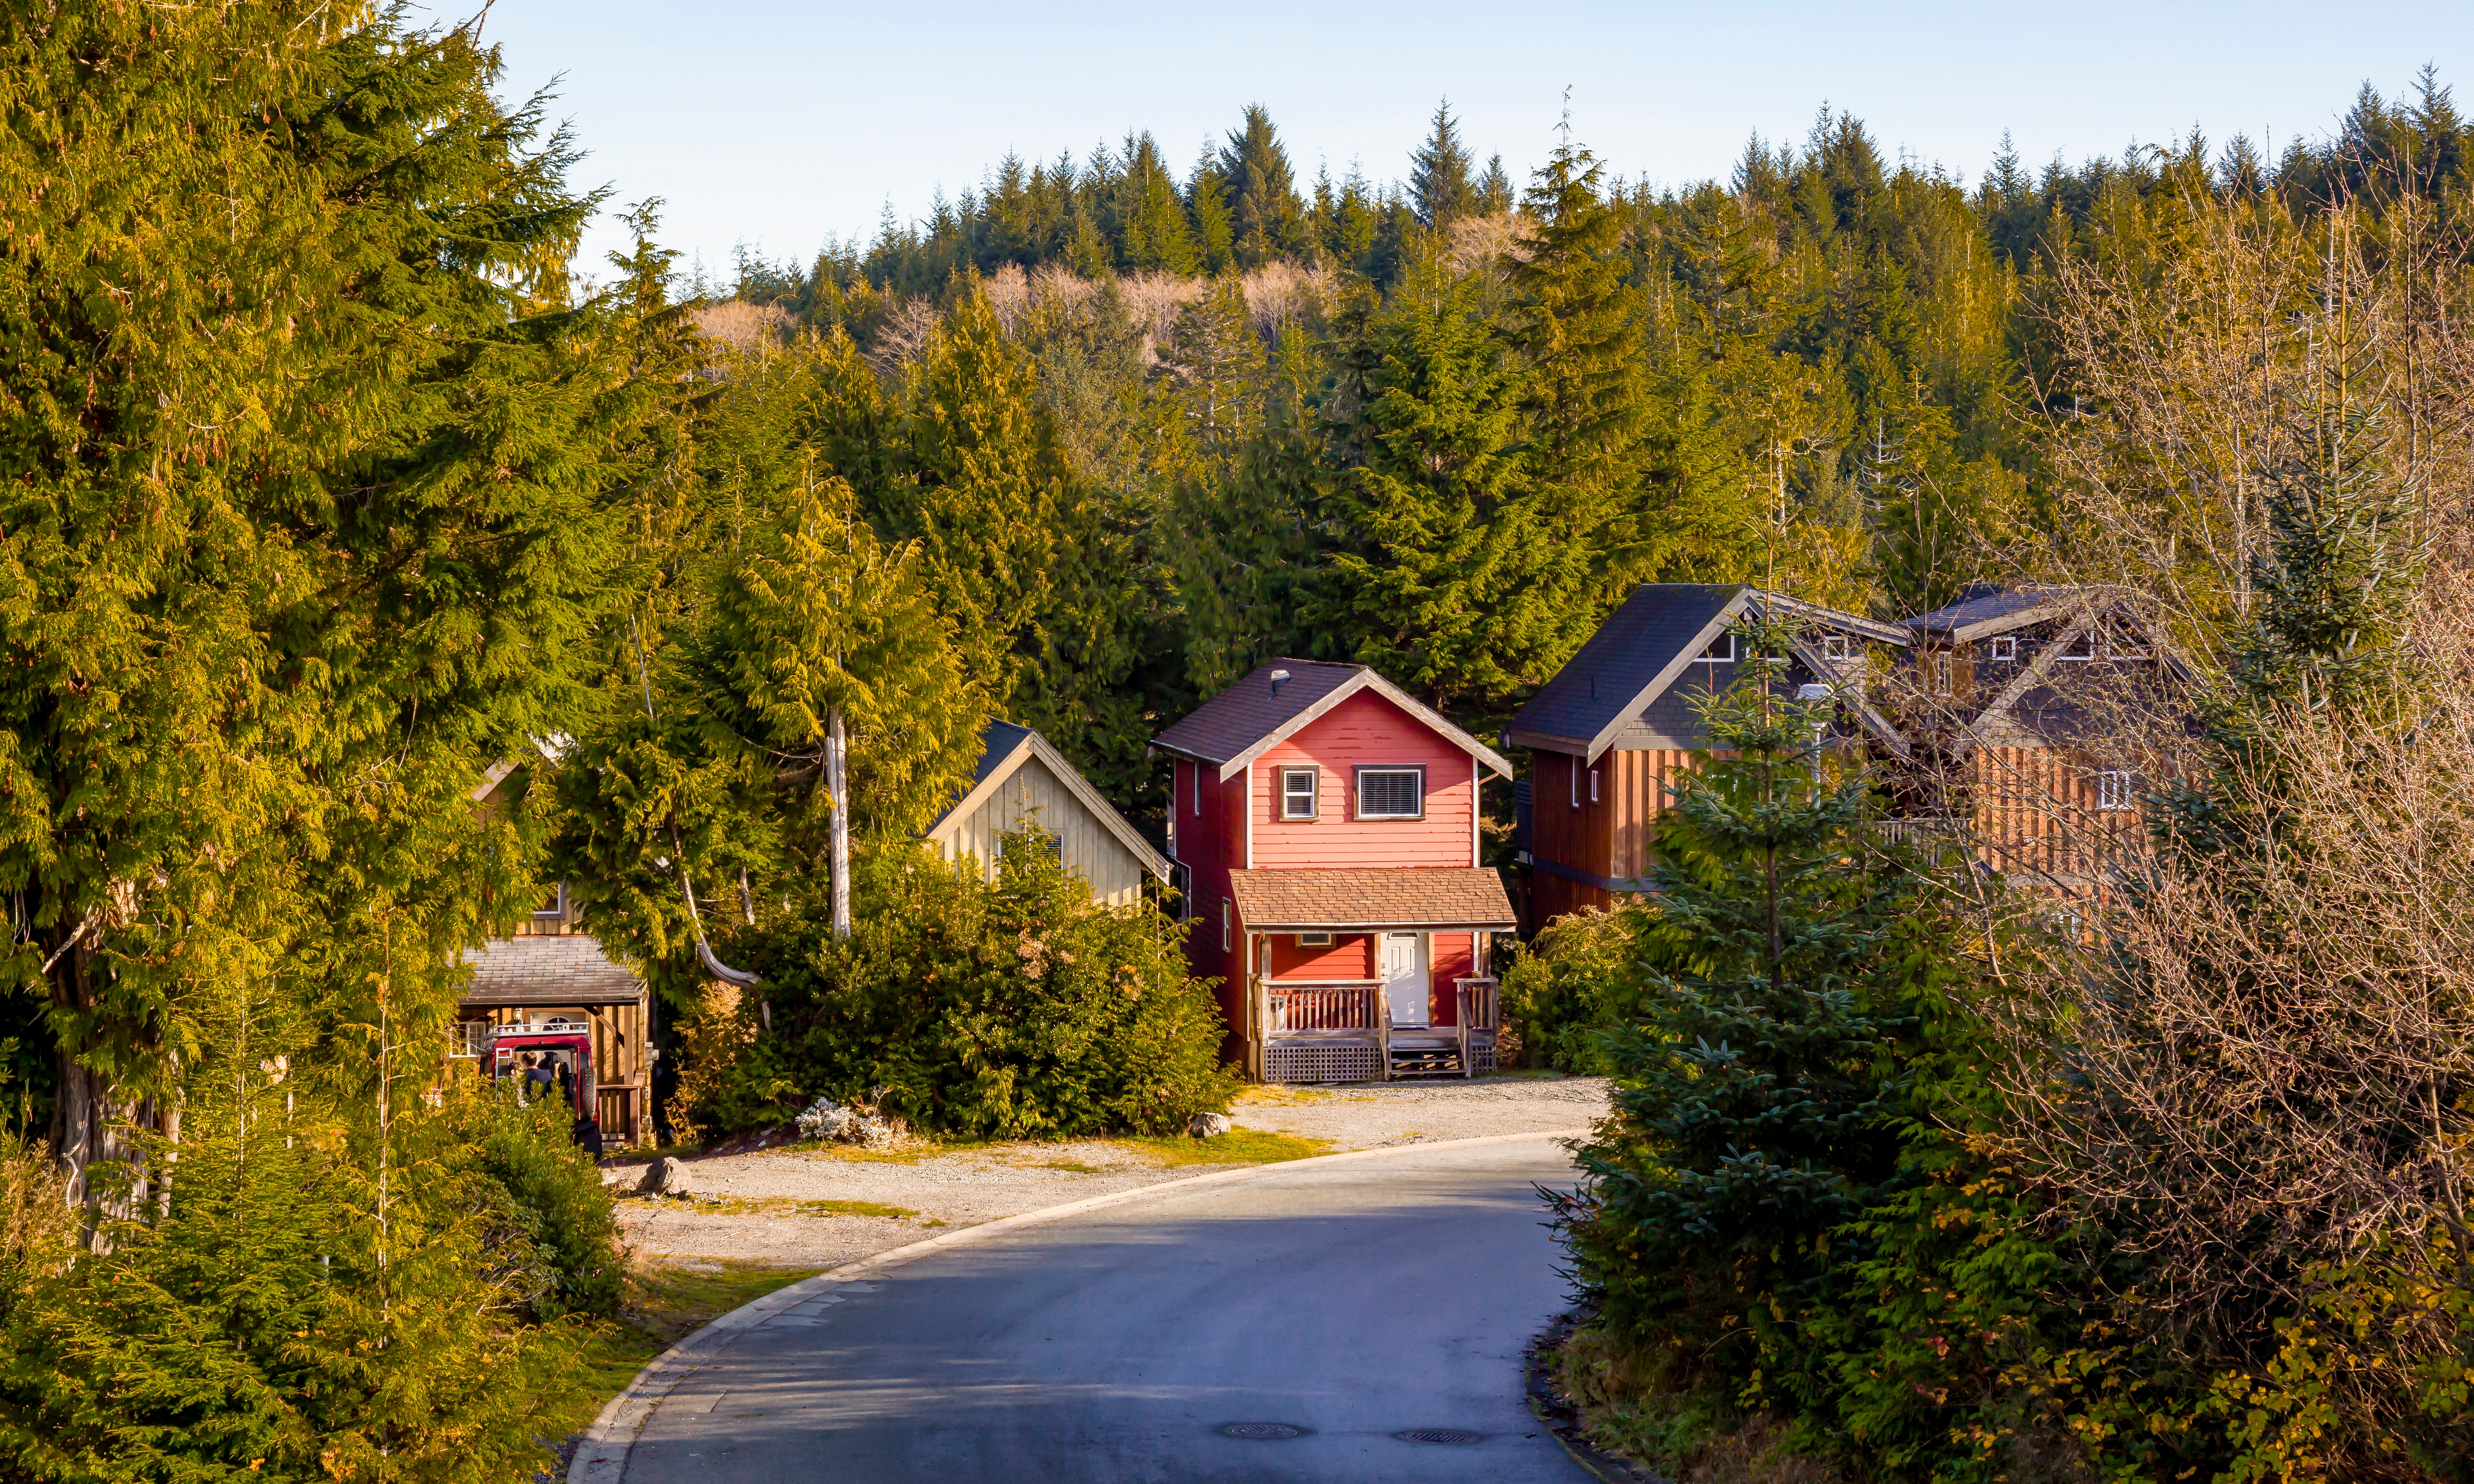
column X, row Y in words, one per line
column 602, row 1458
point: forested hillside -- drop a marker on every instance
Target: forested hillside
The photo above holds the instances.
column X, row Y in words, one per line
column 1440, row 425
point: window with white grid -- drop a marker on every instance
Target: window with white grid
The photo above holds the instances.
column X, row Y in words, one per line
column 1391, row 792
column 2116, row 789
column 1298, row 793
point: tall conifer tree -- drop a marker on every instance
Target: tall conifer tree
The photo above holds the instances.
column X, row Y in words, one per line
column 1439, row 174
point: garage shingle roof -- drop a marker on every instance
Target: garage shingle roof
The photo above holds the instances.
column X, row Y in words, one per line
column 1405, row 898
column 548, row 969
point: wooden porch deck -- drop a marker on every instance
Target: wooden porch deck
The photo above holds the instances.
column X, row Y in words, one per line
column 1341, row 1031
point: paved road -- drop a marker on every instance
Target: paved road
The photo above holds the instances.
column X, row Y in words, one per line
column 1352, row 1301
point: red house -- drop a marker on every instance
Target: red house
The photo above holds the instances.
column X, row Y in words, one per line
column 1324, row 829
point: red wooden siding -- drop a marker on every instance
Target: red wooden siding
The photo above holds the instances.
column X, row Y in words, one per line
column 1611, row 837
column 1347, row 958
column 1364, row 730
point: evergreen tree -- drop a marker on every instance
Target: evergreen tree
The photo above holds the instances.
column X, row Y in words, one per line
column 1265, row 219
column 1206, row 202
column 1149, row 220
column 1494, row 189
column 1750, row 1123
column 1216, row 366
column 1438, row 174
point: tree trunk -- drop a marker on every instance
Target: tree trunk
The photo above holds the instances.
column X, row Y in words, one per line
column 835, row 783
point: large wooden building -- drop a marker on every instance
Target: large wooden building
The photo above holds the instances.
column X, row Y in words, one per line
column 1610, row 733
column 2003, row 719
column 1325, row 830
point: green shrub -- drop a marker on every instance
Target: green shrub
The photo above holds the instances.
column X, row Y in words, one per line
column 1557, row 989
column 1012, row 1009
column 551, row 1190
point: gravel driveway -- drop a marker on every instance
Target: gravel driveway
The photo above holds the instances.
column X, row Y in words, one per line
column 772, row 1206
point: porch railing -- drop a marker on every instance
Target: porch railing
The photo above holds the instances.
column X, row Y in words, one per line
column 1477, row 1011
column 1335, row 1005
column 1332, row 1030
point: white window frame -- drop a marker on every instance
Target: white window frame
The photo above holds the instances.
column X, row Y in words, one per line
column 1941, row 673
column 2117, row 790
column 1312, row 792
column 1711, row 656
column 1314, row 940
column 1839, row 649
column 1572, row 778
column 2088, row 637
column 1418, row 769
column 556, row 910
column 2004, row 647
column 1227, row 924
column 1593, row 785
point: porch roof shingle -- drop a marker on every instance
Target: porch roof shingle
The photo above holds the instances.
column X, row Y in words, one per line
column 1403, row 898
column 548, row 969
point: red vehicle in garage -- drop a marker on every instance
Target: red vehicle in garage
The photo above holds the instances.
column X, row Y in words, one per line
column 552, row 1059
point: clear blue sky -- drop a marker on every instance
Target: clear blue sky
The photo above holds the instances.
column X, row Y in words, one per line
column 778, row 123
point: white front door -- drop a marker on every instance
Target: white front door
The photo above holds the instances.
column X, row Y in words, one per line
column 1404, row 977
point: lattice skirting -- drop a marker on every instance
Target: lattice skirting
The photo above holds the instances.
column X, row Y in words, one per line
column 1482, row 1056
column 1309, row 1061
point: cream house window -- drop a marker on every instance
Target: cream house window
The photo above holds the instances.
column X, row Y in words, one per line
column 1297, row 789
column 1391, row 792
column 2116, row 790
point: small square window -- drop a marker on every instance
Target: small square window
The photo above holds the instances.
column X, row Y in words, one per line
column 1391, row 792
column 1297, row 789
column 2116, row 790
column 2005, row 648
column 1314, row 940
column 1838, row 648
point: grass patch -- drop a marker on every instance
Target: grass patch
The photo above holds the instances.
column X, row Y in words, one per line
column 659, row 1306
column 855, row 1209
column 1237, row 1146
column 1277, row 1094
column 1075, row 1166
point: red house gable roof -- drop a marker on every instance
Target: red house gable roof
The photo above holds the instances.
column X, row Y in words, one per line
column 1280, row 698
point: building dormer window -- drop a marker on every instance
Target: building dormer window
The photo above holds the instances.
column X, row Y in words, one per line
column 1297, row 790
column 2081, row 648
column 1721, row 651
column 1391, row 792
column 1838, row 649
column 2004, row 648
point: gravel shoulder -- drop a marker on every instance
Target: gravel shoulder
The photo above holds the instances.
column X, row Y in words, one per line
column 813, row 1206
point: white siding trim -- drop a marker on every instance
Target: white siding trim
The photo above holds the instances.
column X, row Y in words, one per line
column 1473, row 787
column 1250, row 817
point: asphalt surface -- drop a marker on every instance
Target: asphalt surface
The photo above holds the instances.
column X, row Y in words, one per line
column 1351, row 1302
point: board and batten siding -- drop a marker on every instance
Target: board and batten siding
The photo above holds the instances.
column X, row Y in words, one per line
column 1034, row 795
column 1364, row 731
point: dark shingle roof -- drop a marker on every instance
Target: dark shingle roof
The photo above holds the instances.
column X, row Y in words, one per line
column 1395, row 897
column 549, row 969
column 1637, row 641
column 1249, row 710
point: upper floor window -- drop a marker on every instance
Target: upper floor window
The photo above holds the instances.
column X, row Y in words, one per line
column 2006, row 647
column 1938, row 672
column 1197, row 790
column 1838, row 648
column 2116, row 789
column 1593, row 785
column 1297, row 789
column 1391, row 792
column 2081, row 647
column 556, row 905
column 1227, row 923
column 1721, row 651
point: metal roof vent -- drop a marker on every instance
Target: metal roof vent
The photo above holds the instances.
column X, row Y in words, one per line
column 1280, row 677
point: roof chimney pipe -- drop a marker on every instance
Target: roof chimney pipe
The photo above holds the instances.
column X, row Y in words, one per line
column 1280, row 677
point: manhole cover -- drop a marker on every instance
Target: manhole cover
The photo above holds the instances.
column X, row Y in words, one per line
column 1439, row 1435
column 1262, row 1432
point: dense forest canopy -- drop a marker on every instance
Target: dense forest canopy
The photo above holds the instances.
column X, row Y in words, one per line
column 1440, row 425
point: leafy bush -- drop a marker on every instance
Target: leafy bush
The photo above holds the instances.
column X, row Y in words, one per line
column 1557, row 989
column 551, row 1190
column 1012, row 1009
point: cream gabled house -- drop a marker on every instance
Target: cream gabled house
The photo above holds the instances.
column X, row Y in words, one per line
column 1022, row 780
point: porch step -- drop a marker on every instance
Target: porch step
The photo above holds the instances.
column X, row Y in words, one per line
column 1426, row 1057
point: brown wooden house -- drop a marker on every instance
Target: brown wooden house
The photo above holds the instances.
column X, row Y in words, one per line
column 1610, row 734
